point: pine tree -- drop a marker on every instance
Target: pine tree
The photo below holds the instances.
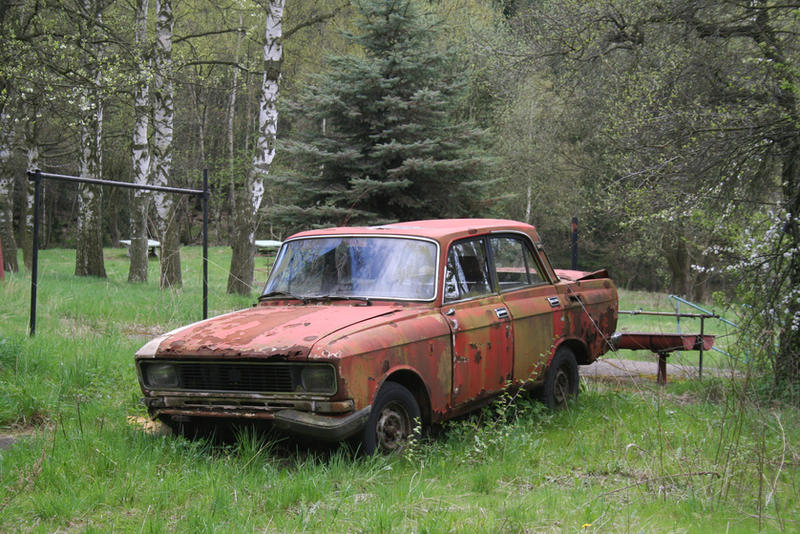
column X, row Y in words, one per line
column 383, row 142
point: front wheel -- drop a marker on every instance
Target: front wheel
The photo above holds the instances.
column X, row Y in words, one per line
column 393, row 421
column 561, row 379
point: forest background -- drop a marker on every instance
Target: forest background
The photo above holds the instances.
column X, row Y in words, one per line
column 670, row 129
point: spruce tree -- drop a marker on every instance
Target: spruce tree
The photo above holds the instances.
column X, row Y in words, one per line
column 382, row 142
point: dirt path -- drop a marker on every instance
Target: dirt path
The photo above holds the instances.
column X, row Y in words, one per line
column 633, row 369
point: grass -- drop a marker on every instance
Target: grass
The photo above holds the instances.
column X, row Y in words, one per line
column 623, row 458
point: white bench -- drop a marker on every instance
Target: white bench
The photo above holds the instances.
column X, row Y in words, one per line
column 152, row 246
column 267, row 245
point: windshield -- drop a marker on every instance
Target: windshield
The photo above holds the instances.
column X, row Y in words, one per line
column 366, row 267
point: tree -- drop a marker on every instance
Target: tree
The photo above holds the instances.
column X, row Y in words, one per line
column 89, row 253
column 248, row 199
column 381, row 140
column 696, row 123
column 140, row 148
column 163, row 119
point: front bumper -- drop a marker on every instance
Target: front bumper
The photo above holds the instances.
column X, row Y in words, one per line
column 321, row 426
column 319, row 419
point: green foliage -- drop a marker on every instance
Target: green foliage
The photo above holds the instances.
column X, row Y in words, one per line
column 380, row 141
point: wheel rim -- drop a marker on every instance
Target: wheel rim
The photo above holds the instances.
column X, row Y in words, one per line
column 393, row 428
column 561, row 387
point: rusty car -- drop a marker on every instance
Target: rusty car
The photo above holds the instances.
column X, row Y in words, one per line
column 370, row 333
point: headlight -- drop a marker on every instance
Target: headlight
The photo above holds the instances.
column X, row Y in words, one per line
column 161, row 375
column 318, row 379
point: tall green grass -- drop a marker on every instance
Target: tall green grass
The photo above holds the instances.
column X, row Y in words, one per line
column 694, row 457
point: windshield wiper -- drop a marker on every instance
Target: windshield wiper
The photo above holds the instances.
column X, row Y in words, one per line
column 283, row 294
column 318, row 298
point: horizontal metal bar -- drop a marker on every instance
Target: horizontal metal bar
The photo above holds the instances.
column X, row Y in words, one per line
column 670, row 314
column 129, row 185
column 695, row 306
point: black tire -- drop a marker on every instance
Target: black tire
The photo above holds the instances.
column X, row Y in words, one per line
column 561, row 379
column 393, row 421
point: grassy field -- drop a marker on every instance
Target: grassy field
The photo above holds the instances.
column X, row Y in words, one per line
column 624, row 458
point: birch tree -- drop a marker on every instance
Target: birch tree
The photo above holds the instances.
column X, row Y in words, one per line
column 89, row 254
column 31, row 141
column 163, row 124
column 141, row 150
column 248, row 200
column 7, row 241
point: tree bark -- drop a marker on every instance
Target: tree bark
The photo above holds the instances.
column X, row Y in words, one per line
column 89, row 254
column 787, row 363
column 9, row 244
column 163, row 120
column 26, row 224
column 141, row 153
column 248, row 202
column 677, row 256
column 89, row 246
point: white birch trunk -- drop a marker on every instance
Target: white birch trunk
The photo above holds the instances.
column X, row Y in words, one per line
column 141, row 151
column 242, row 260
column 31, row 140
column 89, row 246
column 163, row 120
column 7, row 241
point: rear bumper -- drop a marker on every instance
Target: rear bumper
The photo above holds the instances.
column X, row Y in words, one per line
column 321, row 426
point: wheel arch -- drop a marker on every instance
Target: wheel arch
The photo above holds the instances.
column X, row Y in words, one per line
column 577, row 347
column 414, row 383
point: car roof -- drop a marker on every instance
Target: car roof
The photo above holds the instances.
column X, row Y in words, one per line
column 442, row 230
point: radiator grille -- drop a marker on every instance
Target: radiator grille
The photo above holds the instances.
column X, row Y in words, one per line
column 240, row 377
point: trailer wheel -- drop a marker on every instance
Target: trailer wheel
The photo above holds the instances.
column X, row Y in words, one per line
column 392, row 422
column 561, row 379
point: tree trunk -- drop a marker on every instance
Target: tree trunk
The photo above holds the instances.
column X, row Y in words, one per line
column 163, row 119
column 677, row 257
column 7, row 197
column 249, row 200
column 141, row 154
column 787, row 363
column 26, row 224
column 89, row 253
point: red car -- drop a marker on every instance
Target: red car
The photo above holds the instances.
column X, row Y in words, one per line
column 362, row 331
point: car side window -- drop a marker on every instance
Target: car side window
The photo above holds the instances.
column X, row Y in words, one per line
column 467, row 272
column 514, row 263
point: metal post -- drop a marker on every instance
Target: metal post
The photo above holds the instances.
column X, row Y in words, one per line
column 205, row 243
column 575, row 243
column 702, row 342
column 661, row 377
column 37, row 195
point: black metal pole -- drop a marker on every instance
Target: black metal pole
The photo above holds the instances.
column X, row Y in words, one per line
column 205, row 243
column 37, row 195
column 574, row 243
column 702, row 341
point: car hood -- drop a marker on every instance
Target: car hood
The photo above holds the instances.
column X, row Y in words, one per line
column 282, row 332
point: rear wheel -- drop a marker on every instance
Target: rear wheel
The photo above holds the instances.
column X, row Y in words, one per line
column 561, row 379
column 393, row 421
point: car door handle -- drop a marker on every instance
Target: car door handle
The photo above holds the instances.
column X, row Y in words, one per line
column 502, row 313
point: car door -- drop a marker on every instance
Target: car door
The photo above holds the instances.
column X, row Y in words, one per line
column 479, row 322
column 529, row 299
